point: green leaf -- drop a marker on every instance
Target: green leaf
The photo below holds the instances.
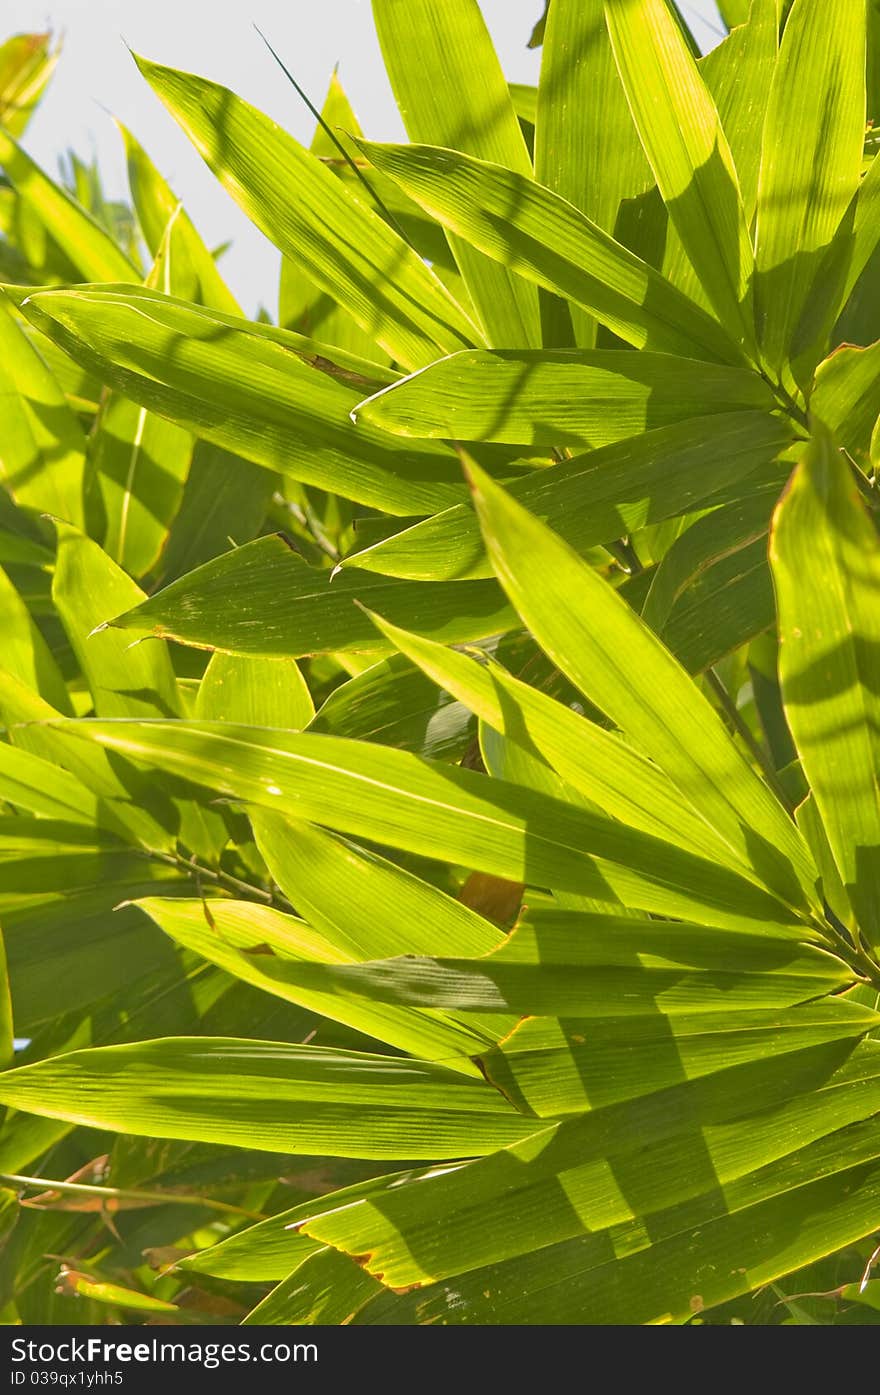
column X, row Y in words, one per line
column 72, row 949
column 254, row 692
column 558, row 1068
column 88, row 246
column 833, row 891
column 687, row 149
column 124, row 682
column 545, row 239
column 846, row 397
column 74, row 1282
column 712, row 591
column 443, row 812
column 326, row 1289
column 738, row 73
column 618, row 663
column 27, row 62
column 272, row 1097
column 713, row 536
column 734, row 12
column 43, row 450
column 851, row 251
column 7, row 1047
column 811, row 162
column 225, row 498
column 125, row 804
column 612, row 775
column 386, row 910
column 267, row 394
column 456, row 55
column 773, row 1223
column 525, row 100
column 41, row 787
column 586, row 149
column 393, row 703
column 562, row 398
column 26, row 655
column 598, row 496
column 271, row 1249
column 345, row 246
column 196, row 277
column 573, row 965
column 826, row 566
column 302, row 305
column 274, row 952
column 140, row 463
column 621, row 1163
column 781, row 1230
column 264, row 600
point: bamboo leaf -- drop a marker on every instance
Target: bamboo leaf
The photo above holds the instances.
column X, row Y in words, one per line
column 272, row 1097
column 42, row 455
column 846, row 397
column 344, row 245
column 826, row 566
column 284, row 608
column 393, row 703
column 779, row 1217
column 545, row 239
column 688, row 151
column 264, row 393
column 620, row 665
column 40, row 787
column 89, row 247
column 594, row 1159
column 273, row 952
column 601, row 495
column 388, row 910
column 738, row 73
column 271, row 1248
column 254, row 692
column 444, row 813
column 225, row 498
column 326, row 1288
column 586, row 149
column 195, row 271
column 593, row 761
column 123, row 681
column 26, row 655
column 562, row 398
column 27, row 62
column 811, row 161
column 456, row 55
column 572, row 965
column 302, row 305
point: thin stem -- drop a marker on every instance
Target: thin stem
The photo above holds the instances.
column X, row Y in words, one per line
column 307, row 520
column 332, row 136
column 217, row 877
column 128, row 1194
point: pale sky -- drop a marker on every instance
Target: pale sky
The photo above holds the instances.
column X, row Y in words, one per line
column 216, row 38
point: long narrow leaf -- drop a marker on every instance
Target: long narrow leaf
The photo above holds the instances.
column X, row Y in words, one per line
column 826, row 565
column 346, row 247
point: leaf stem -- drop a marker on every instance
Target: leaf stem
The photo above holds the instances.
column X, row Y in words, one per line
column 148, row 1198
column 218, row 877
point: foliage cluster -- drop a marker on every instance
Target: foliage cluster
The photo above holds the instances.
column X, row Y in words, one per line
column 439, row 813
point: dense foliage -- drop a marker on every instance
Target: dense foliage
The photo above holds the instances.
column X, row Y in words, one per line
column 440, row 837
